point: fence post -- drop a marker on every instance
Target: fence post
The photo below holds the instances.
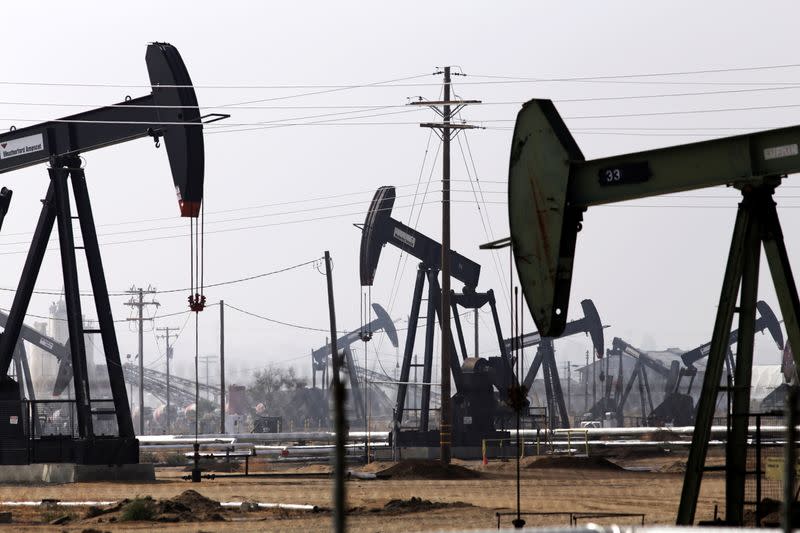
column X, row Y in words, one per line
column 586, row 441
column 483, row 454
column 758, row 470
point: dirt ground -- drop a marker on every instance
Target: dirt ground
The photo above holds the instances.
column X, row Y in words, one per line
column 416, row 498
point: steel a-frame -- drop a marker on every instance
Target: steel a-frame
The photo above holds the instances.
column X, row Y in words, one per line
column 170, row 112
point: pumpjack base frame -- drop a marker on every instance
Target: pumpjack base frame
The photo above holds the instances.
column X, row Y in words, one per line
column 75, row 473
column 114, row 451
column 87, row 447
column 433, row 453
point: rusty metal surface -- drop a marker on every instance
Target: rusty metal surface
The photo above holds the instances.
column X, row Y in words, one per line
column 543, row 227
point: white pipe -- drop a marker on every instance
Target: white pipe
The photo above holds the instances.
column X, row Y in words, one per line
column 362, row 475
column 162, row 447
column 59, row 503
column 288, row 506
column 312, row 436
column 175, row 439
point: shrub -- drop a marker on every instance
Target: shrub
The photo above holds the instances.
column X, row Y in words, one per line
column 138, row 509
column 175, row 459
column 147, row 457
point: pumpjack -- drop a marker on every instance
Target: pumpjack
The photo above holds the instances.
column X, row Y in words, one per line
column 475, row 403
column 21, row 364
column 169, row 112
column 558, row 417
column 551, row 185
column 677, row 407
column 320, row 363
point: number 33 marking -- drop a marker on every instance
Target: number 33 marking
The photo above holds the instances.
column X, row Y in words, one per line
column 613, row 175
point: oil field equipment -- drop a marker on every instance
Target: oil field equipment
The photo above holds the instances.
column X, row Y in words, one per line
column 551, row 185
column 546, row 360
column 676, row 408
column 319, row 357
column 49, row 345
column 170, row 112
column 766, row 321
column 475, row 403
column 683, row 413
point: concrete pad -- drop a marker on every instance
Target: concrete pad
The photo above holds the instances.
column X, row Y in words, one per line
column 432, row 452
column 73, row 473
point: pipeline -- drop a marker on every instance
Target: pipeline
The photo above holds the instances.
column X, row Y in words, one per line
column 261, row 505
column 58, row 503
column 306, row 436
column 108, row 503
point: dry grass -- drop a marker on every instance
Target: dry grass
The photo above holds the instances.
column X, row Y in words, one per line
column 653, row 493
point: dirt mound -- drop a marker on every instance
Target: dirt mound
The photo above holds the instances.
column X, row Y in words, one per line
column 678, row 467
column 376, row 466
column 573, row 462
column 189, row 506
column 189, row 501
column 415, row 504
column 426, row 469
column 771, row 514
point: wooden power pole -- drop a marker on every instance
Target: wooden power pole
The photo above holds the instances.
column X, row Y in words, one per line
column 137, row 300
column 446, row 108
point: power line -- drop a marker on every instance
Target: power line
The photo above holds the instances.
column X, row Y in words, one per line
column 239, row 219
column 259, row 206
column 243, row 228
column 213, row 128
column 258, row 126
column 356, row 108
column 345, row 121
column 155, row 291
column 392, row 82
column 687, row 112
column 201, row 86
column 281, row 322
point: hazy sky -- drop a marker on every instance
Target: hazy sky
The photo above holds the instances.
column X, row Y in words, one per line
column 653, row 267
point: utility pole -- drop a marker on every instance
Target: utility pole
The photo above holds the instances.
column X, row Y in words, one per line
column 366, row 336
column 594, row 382
column 444, row 129
column 222, row 367
column 586, row 384
column 168, row 336
column 569, row 387
column 477, row 353
column 207, row 359
column 338, row 412
column 137, row 300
